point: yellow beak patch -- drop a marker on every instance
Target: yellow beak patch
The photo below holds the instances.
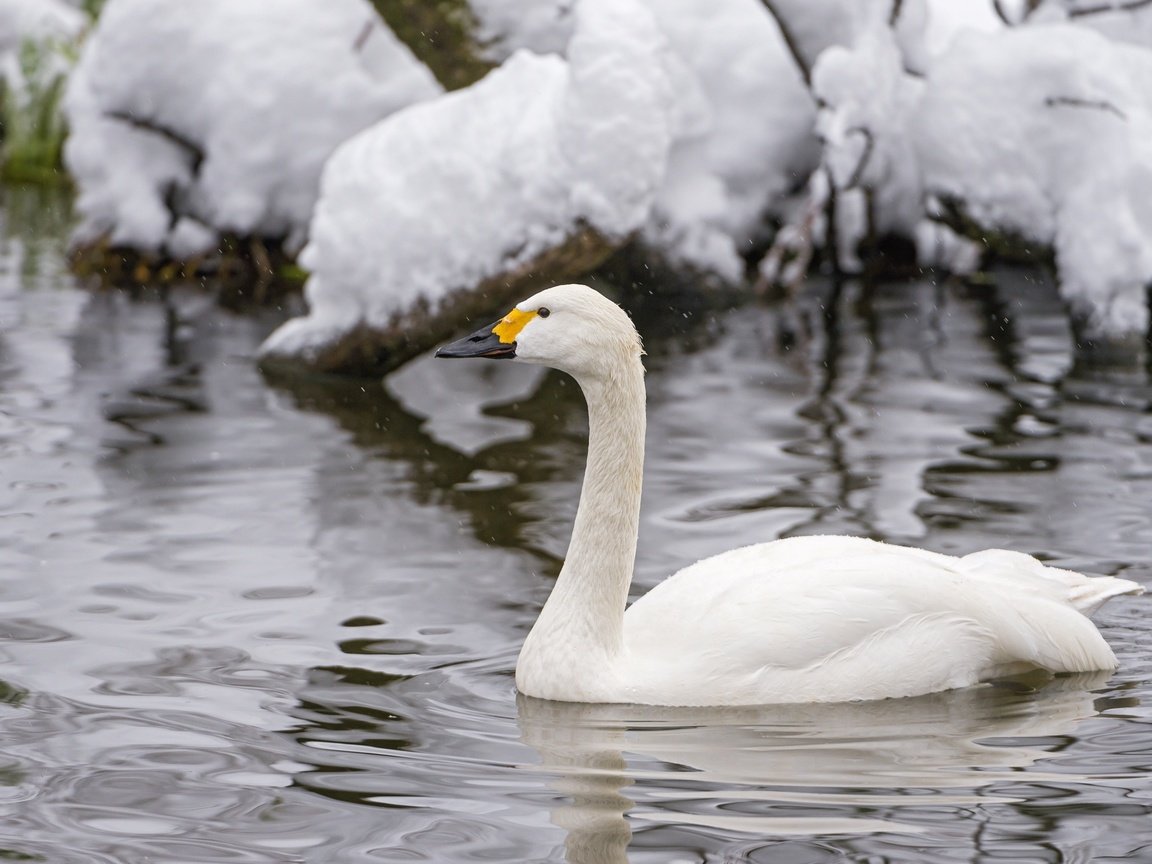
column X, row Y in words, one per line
column 511, row 325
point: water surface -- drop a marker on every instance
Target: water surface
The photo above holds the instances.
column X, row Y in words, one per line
column 254, row 621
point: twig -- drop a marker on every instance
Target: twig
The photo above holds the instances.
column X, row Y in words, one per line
column 790, row 42
column 362, row 38
column 894, row 15
column 786, row 263
column 1098, row 104
column 193, row 150
column 1130, row 6
column 869, row 146
column 262, row 264
column 1002, row 13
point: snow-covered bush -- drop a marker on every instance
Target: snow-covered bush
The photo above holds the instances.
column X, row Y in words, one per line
column 943, row 116
column 195, row 120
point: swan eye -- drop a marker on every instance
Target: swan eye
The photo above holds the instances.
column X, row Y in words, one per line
column 543, row 311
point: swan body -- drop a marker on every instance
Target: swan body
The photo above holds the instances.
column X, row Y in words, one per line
column 806, row 619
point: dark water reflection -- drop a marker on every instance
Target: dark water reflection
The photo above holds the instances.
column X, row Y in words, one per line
column 251, row 621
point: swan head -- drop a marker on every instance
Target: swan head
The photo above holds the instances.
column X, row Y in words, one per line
column 568, row 327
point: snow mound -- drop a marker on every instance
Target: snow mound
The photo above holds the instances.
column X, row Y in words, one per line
column 193, row 120
column 541, row 26
column 748, row 140
column 439, row 198
column 747, row 114
column 1042, row 132
column 946, row 19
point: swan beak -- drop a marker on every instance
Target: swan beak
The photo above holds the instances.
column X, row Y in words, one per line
column 485, row 342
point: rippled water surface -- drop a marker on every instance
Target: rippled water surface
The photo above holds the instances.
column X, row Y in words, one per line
column 254, row 621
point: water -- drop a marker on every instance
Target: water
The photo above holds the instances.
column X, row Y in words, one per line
column 253, row 621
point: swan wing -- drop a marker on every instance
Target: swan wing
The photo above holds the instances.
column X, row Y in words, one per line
column 835, row 618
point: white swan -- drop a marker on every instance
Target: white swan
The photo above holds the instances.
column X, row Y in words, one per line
column 807, row 619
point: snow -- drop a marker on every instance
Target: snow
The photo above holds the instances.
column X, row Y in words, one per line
column 868, row 101
column 746, row 116
column 1042, row 131
column 38, row 21
column 947, row 19
column 449, row 193
column 748, row 132
column 225, row 113
column 1039, row 131
column 1128, row 20
column 541, row 26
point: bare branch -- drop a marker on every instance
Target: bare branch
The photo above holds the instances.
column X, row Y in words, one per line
column 894, row 15
column 1002, row 13
column 787, row 262
column 791, row 43
column 193, row 150
column 362, row 38
column 865, row 156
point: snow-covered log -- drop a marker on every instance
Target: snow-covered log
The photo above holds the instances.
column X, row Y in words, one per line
column 195, row 120
column 543, row 166
column 687, row 121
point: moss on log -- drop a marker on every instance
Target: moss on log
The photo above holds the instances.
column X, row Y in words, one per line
column 441, row 33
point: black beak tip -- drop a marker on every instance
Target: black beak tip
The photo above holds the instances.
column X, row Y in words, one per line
column 482, row 343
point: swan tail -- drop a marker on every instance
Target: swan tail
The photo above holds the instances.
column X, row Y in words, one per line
column 1083, row 593
column 1061, row 639
column 1095, row 591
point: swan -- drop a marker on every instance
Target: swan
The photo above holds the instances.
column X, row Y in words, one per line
column 803, row 619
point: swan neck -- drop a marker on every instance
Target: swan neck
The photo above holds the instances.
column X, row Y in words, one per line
column 585, row 613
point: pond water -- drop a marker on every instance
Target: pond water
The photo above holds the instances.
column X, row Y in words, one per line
column 254, row 621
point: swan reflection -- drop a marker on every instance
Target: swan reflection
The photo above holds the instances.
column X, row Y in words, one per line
column 791, row 769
